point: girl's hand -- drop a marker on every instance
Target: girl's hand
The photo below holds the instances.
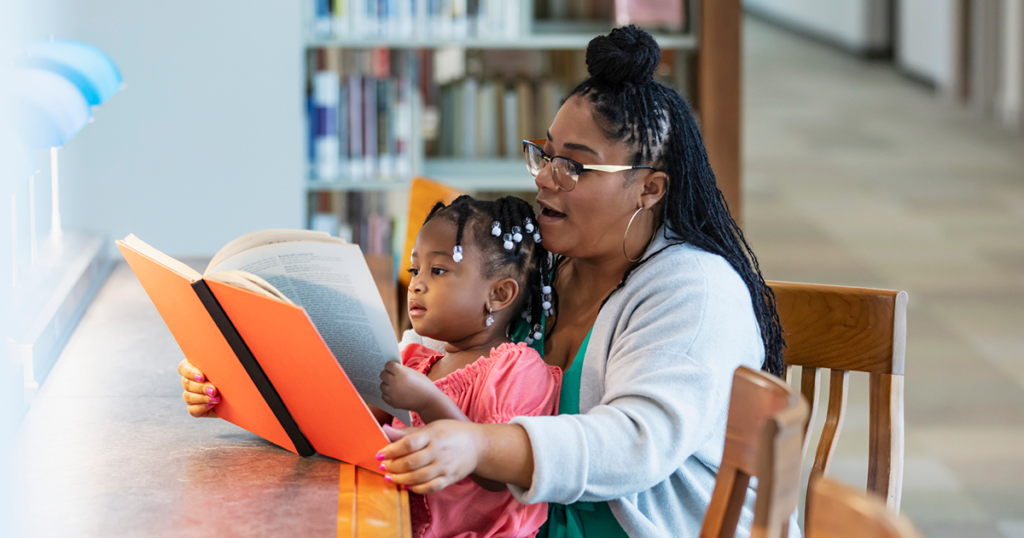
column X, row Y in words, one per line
column 433, row 457
column 404, row 388
column 200, row 396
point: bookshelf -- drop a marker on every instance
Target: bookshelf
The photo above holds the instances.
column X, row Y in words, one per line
column 703, row 59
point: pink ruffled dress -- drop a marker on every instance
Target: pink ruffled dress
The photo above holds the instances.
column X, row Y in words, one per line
column 513, row 381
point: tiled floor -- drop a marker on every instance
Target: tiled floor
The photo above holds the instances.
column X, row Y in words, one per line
column 856, row 176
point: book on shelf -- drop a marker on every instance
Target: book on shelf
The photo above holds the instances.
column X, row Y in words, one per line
column 290, row 328
column 661, row 14
column 421, row 19
column 362, row 218
column 361, row 117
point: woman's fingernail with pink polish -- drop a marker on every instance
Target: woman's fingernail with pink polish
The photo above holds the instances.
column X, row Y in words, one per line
column 209, row 405
column 380, row 456
column 387, row 477
column 407, row 488
column 209, row 390
column 214, row 400
column 199, row 377
column 382, row 468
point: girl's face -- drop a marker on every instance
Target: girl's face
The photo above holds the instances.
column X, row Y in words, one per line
column 448, row 301
column 590, row 220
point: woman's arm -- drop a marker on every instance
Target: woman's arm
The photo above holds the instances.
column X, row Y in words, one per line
column 433, row 457
column 405, row 388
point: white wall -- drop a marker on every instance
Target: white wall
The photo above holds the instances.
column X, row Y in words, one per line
column 207, row 141
column 925, row 36
column 858, row 25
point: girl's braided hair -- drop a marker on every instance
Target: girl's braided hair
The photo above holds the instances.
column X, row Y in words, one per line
column 515, row 252
column 631, row 107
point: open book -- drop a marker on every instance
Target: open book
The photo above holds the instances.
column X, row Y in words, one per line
column 290, row 328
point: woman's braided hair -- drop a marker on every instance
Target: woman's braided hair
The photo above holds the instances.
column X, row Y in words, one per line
column 631, row 107
column 515, row 252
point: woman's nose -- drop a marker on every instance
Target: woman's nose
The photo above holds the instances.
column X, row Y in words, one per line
column 544, row 179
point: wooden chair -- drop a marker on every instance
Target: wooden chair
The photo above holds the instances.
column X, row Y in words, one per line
column 850, row 329
column 764, row 438
column 840, row 511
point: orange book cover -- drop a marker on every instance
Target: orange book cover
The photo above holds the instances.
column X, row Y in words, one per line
column 313, row 386
column 205, row 346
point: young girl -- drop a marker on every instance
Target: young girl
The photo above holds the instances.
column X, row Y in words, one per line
column 478, row 272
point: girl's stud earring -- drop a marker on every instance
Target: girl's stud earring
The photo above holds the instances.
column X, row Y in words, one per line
column 489, row 320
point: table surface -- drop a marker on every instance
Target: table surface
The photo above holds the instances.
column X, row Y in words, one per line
column 108, row 449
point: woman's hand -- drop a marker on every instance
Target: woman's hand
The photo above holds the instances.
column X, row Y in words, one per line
column 433, row 457
column 404, row 388
column 200, row 396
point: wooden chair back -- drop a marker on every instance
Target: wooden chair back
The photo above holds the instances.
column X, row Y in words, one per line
column 839, row 511
column 848, row 329
column 764, row 438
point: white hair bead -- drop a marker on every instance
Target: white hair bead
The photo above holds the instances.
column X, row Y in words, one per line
column 457, row 254
column 529, row 340
column 496, row 228
column 529, row 226
column 546, row 305
column 536, row 238
column 546, row 289
column 537, row 335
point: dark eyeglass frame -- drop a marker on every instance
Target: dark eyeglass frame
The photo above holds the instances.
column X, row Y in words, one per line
column 538, row 144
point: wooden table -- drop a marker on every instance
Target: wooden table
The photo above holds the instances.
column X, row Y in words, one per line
column 107, row 449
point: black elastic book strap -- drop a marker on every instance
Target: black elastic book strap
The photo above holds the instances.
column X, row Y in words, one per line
column 253, row 368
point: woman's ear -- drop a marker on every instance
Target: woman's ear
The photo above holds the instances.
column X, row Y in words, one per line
column 503, row 294
column 655, row 187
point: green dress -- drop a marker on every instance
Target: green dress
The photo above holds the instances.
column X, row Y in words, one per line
column 579, row 519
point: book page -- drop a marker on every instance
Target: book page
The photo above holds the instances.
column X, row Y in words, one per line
column 267, row 237
column 249, row 282
column 161, row 258
column 333, row 284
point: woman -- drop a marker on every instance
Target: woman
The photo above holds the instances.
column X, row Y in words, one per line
column 658, row 299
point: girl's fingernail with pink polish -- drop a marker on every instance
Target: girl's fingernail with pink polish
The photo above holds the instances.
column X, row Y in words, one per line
column 380, row 456
column 209, row 405
column 382, row 468
column 199, row 377
column 387, row 477
column 209, row 390
column 407, row 488
column 214, row 400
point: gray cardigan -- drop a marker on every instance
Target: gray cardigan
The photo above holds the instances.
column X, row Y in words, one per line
column 654, row 398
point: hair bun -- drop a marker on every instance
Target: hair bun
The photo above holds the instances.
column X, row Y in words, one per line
column 626, row 54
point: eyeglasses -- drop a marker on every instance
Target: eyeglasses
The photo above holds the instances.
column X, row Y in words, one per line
column 566, row 172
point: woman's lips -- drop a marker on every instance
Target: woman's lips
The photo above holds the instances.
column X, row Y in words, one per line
column 549, row 215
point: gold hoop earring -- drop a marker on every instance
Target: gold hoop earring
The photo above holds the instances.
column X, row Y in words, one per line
column 625, row 235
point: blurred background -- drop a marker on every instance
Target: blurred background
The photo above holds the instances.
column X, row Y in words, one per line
column 871, row 143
